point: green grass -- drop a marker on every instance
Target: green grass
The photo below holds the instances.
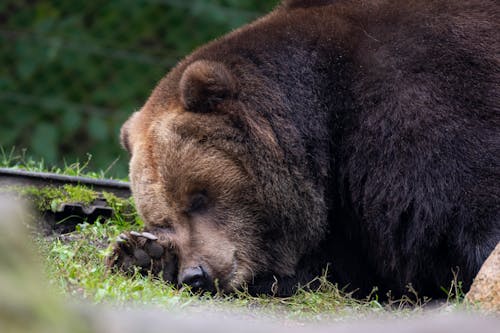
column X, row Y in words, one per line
column 75, row 266
column 13, row 158
column 75, row 263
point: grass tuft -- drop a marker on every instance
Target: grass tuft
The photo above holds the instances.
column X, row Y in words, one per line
column 22, row 160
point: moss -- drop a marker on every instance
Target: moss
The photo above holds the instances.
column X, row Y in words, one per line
column 124, row 209
column 51, row 197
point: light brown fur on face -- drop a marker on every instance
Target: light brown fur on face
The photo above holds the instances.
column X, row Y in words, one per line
column 169, row 166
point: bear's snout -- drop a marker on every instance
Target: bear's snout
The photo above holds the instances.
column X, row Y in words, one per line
column 197, row 278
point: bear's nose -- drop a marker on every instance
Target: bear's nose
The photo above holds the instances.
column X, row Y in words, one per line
column 195, row 277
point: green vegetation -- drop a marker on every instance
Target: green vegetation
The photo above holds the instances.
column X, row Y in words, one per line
column 15, row 159
column 75, row 263
column 50, row 198
column 73, row 71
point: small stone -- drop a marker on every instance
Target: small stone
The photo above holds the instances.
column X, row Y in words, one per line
column 485, row 290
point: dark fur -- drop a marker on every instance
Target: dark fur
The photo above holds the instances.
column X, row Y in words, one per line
column 387, row 123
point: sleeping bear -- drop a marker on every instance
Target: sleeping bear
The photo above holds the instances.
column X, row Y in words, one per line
column 357, row 138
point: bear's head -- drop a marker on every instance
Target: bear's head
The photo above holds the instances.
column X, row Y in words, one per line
column 190, row 177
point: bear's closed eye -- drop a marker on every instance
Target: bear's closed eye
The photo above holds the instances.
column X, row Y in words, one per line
column 198, row 203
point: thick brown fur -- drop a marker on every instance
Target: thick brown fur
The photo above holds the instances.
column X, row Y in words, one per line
column 360, row 134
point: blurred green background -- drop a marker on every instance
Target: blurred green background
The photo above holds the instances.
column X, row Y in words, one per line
column 72, row 71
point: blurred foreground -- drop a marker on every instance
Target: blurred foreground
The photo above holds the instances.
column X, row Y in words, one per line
column 29, row 304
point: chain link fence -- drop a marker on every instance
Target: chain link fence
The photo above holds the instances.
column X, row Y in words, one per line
column 72, row 71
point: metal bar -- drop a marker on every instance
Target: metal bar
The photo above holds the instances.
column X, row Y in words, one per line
column 10, row 177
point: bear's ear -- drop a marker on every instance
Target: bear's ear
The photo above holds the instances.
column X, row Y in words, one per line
column 125, row 135
column 204, row 84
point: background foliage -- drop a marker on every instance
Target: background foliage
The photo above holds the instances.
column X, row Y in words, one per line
column 72, row 71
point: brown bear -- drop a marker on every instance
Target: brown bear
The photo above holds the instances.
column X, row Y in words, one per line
column 359, row 135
